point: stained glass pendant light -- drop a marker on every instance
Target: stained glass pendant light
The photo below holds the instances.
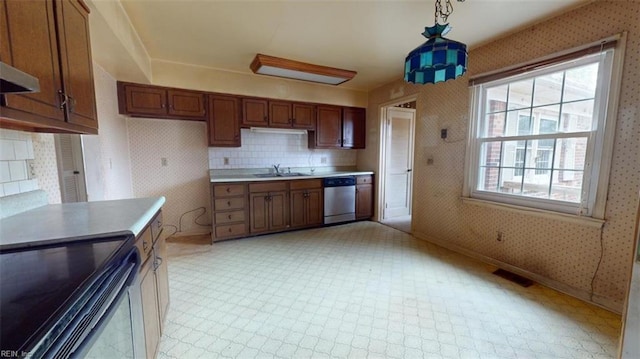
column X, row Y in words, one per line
column 438, row 59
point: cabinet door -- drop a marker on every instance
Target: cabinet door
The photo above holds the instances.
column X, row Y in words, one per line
column 298, row 208
column 315, row 207
column 259, row 212
column 187, row 104
column 148, row 292
column 364, row 201
column 144, row 100
column 75, row 59
column 280, row 114
column 278, row 210
column 224, row 121
column 254, row 112
column 28, row 43
column 303, row 116
column 162, row 278
column 353, row 127
column 328, row 132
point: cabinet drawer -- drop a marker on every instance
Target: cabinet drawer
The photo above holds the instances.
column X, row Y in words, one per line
column 156, row 226
column 144, row 242
column 229, row 203
column 230, row 230
column 364, row 179
column 305, row 184
column 228, row 190
column 228, row 217
column 268, row 187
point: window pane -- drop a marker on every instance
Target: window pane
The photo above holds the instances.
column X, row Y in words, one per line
column 520, row 94
column 548, row 89
column 577, row 116
column 580, row 83
column 567, row 186
column 509, row 153
column 488, row 179
column 519, row 123
column 539, row 155
column 536, row 185
column 490, row 154
column 509, row 182
column 496, row 99
column 494, row 125
column 548, row 117
column 571, row 153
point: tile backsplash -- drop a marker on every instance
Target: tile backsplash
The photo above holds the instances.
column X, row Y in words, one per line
column 16, row 153
column 260, row 150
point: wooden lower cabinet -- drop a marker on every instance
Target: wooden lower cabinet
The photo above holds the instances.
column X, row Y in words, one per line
column 364, row 197
column 153, row 285
column 306, row 204
column 229, row 212
column 151, row 319
column 268, row 207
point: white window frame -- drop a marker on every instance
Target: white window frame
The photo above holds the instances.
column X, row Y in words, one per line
column 600, row 144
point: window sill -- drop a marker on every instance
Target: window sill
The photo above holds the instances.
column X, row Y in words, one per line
column 571, row 218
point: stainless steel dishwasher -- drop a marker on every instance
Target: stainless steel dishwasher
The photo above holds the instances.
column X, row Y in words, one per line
column 339, row 199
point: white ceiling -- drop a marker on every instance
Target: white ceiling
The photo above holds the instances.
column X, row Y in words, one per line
column 370, row 37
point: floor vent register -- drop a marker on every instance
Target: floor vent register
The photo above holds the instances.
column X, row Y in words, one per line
column 522, row 281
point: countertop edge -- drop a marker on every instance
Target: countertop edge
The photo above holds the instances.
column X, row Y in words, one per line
column 251, row 178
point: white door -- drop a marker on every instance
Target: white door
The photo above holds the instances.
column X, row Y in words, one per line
column 70, row 168
column 398, row 161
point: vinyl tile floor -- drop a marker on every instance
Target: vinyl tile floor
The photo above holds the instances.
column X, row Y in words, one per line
column 365, row 290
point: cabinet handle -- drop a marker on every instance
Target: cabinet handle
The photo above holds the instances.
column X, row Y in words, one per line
column 229, row 218
column 162, row 105
column 63, row 99
column 229, row 230
column 157, row 263
column 266, row 118
column 229, row 203
column 144, row 245
column 228, row 190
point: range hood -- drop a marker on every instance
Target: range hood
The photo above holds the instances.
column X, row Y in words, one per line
column 286, row 131
column 13, row 80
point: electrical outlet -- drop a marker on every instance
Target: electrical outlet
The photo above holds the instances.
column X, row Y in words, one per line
column 226, row 160
column 164, row 162
column 500, row 236
column 323, row 160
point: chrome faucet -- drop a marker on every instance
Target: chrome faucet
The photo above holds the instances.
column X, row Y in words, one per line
column 277, row 168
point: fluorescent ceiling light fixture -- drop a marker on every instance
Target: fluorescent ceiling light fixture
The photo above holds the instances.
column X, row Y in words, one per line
column 275, row 66
column 285, row 131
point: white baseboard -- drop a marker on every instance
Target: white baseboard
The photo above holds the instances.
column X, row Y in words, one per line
column 597, row 300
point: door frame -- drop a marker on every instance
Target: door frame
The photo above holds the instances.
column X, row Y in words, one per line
column 382, row 165
column 77, row 153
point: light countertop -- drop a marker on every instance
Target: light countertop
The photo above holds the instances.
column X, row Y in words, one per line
column 251, row 177
column 57, row 223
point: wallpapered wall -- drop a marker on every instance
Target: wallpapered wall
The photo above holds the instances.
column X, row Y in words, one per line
column 262, row 150
column 184, row 181
column 566, row 253
column 107, row 162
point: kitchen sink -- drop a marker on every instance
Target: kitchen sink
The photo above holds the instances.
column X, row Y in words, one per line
column 270, row 175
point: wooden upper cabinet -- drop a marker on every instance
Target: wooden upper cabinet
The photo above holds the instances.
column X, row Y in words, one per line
column 161, row 102
column 353, row 127
column 339, row 127
column 280, row 114
column 186, row 104
column 142, row 100
column 77, row 67
column 328, row 132
column 224, row 121
column 303, row 116
column 50, row 41
column 255, row 112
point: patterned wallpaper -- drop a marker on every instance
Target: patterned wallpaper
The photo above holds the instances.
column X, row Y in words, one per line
column 563, row 252
column 184, row 181
column 45, row 165
column 261, row 150
column 107, row 162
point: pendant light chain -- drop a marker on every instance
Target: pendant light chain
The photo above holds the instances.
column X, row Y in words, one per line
column 444, row 11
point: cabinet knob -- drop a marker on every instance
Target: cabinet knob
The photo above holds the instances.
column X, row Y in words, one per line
column 228, row 190
column 162, row 105
column 266, row 118
column 229, row 203
column 229, row 230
